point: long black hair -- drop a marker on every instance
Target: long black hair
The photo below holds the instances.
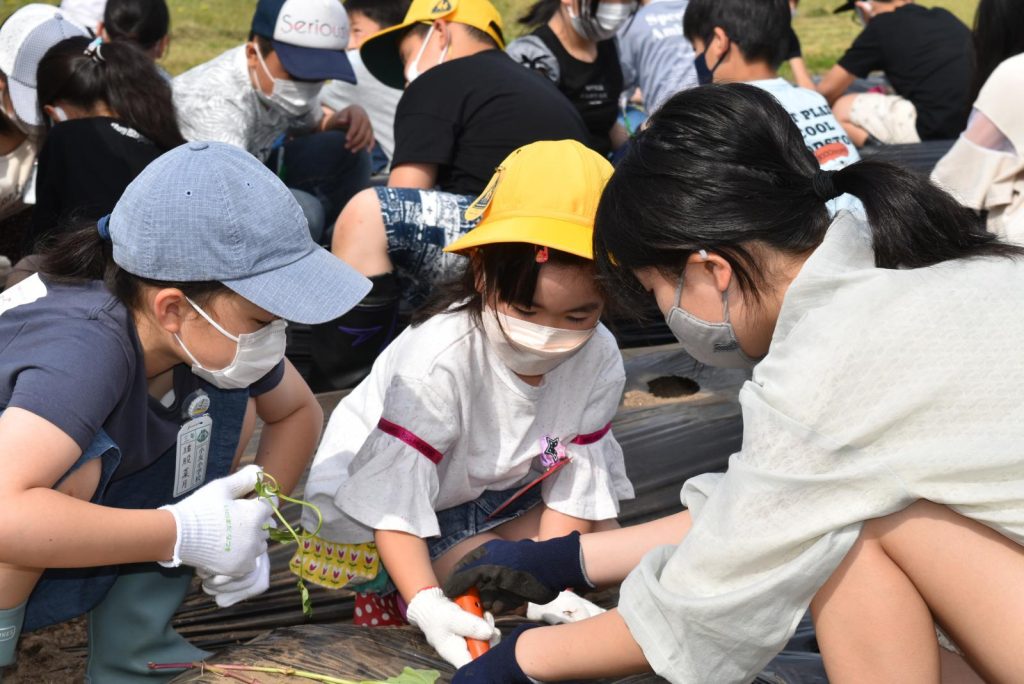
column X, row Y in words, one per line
column 998, row 35
column 723, row 167
column 506, row 272
column 81, row 256
column 142, row 22
column 118, row 74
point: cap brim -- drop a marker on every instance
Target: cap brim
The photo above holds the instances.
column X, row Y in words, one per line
column 382, row 58
column 24, row 100
column 317, row 288
column 573, row 238
column 314, row 64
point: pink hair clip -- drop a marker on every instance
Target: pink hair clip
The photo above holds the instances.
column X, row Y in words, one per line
column 542, row 255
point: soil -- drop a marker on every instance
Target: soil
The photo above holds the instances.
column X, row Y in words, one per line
column 55, row 655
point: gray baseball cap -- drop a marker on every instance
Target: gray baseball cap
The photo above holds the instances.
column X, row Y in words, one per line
column 208, row 211
column 28, row 38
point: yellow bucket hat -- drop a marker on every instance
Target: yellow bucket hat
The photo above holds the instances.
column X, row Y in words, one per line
column 543, row 194
column 380, row 51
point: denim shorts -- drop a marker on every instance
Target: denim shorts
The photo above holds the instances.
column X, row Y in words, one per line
column 461, row 522
column 419, row 223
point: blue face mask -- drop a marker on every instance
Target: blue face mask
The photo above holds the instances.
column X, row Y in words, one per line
column 705, row 74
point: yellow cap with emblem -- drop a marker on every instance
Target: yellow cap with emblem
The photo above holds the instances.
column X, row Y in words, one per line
column 380, row 51
column 543, row 194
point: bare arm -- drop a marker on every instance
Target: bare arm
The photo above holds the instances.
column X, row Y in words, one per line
column 42, row 528
column 293, row 420
column 417, row 176
column 800, row 73
column 835, row 83
column 407, row 560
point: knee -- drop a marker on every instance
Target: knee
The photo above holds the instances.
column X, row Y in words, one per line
column 82, row 483
column 842, row 108
column 360, row 223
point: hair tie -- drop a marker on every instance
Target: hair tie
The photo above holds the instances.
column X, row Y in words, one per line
column 103, row 227
column 542, row 255
column 95, row 50
column 823, row 185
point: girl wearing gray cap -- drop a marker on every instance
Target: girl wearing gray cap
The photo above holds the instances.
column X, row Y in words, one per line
column 131, row 371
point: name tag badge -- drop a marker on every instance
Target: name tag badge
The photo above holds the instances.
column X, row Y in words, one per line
column 193, row 453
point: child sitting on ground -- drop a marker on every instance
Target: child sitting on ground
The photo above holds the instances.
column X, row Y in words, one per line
column 506, row 381
column 744, row 41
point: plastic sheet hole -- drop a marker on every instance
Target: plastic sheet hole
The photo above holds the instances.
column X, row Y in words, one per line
column 672, row 387
column 188, row 193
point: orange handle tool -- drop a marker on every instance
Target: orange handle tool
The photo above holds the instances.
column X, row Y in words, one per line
column 470, row 602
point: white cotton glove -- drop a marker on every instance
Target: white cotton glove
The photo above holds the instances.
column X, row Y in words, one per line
column 446, row 626
column 567, row 607
column 218, row 532
column 228, row 591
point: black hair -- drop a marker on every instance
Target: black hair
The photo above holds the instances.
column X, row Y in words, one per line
column 759, row 27
column 7, row 126
column 508, row 272
column 117, row 74
column 264, row 44
column 998, row 35
column 384, row 13
column 541, row 11
column 476, row 34
column 81, row 256
column 143, row 22
column 724, row 168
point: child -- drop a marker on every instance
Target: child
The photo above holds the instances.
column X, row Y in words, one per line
column 508, row 376
column 111, row 115
column 744, row 41
column 880, row 480
column 367, row 17
column 143, row 23
column 131, row 373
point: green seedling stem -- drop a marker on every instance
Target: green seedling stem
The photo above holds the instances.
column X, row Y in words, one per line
column 269, row 490
column 408, row 676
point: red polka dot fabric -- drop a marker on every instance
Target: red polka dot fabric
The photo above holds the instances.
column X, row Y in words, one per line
column 376, row 610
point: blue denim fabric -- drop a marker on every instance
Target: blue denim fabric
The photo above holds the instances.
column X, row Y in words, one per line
column 459, row 523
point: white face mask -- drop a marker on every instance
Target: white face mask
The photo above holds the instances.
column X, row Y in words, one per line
column 59, row 114
column 257, row 354
column 294, row 98
column 606, row 22
column 412, row 72
column 531, row 349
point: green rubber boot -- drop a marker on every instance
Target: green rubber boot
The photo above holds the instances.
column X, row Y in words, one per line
column 131, row 628
column 10, row 630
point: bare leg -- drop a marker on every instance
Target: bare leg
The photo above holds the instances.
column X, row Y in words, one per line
column 359, row 235
column 842, row 109
column 17, row 582
column 874, row 616
column 612, row 554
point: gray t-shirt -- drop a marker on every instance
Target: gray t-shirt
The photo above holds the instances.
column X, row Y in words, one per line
column 70, row 355
column 655, row 56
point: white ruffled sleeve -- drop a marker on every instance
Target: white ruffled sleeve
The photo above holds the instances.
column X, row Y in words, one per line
column 594, row 482
column 393, row 482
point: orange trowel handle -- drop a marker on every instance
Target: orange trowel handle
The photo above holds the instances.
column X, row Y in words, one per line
column 470, row 602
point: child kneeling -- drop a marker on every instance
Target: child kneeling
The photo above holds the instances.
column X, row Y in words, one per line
column 490, row 417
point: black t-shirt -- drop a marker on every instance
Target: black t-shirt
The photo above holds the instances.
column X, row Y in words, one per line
column 84, row 167
column 70, row 354
column 792, row 49
column 593, row 87
column 925, row 54
column 468, row 114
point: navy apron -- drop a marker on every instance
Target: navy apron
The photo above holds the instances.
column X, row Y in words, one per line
column 66, row 593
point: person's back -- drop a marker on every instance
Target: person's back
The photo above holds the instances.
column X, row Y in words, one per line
column 491, row 106
column 656, row 57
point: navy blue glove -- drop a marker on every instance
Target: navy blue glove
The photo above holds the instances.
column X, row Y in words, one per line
column 508, row 574
column 498, row 665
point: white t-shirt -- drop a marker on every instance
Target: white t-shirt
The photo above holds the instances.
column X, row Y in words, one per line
column 823, row 135
column 881, row 387
column 444, row 386
column 16, row 170
column 216, row 101
column 379, row 101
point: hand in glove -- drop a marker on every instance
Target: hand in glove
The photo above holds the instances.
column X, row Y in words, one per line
column 497, row 666
column 446, row 626
column 508, row 574
column 218, row 532
column 228, row 591
column 568, row 607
